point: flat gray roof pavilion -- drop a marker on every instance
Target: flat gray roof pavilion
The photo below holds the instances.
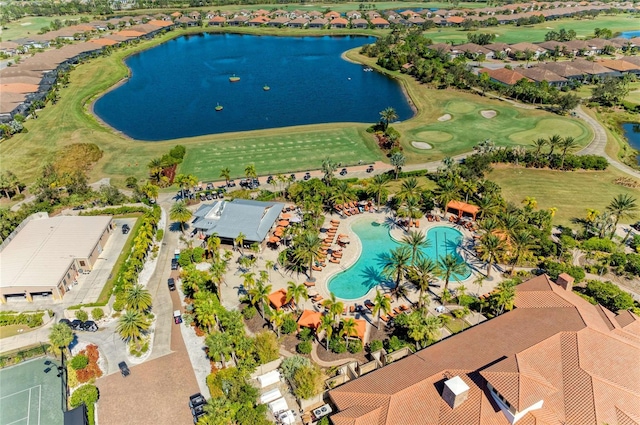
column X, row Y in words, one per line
column 227, row 219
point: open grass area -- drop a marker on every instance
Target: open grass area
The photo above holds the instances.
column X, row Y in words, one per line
column 571, row 192
column 455, row 325
column 31, row 25
column 536, row 33
column 12, row 330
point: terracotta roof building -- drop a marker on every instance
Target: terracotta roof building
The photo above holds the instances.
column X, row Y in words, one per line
column 503, row 75
column 554, row 359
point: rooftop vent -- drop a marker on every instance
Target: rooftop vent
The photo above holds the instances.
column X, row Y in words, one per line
column 455, row 391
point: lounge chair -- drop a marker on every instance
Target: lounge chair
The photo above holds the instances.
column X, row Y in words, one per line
column 352, row 308
column 368, row 304
column 384, row 318
column 316, row 268
column 309, row 284
column 335, row 260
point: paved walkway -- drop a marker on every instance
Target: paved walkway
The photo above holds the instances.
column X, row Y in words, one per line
column 322, row 363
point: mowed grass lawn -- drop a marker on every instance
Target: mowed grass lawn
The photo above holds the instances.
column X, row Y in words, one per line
column 571, row 192
column 277, row 153
column 31, row 25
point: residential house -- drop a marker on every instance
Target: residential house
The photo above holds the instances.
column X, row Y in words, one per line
column 417, row 20
column 238, row 20
column 258, row 21
column 339, row 23
column 564, row 69
column 471, row 50
column 9, row 48
column 505, row 76
column 217, row 21
column 280, row 21
column 622, row 66
column 261, row 12
column 454, row 20
column 332, row 14
column 313, row 14
column 353, row 14
column 195, row 15
column 521, row 48
column 359, row 23
column 577, row 47
column 380, row 23
column 299, row 23
column 319, row 23
column 539, row 75
column 373, row 14
column 594, row 69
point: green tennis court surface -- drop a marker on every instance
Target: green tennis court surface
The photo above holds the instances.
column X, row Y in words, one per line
column 28, row 396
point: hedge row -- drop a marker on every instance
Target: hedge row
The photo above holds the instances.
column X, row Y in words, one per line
column 32, row 320
column 116, row 211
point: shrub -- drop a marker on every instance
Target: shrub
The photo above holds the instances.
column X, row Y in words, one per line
column 87, row 394
column 31, row 320
column 304, row 347
column 307, row 381
column 289, row 325
column 159, row 235
column 337, row 345
column 82, row 315
column 375, row 345
column 97, row 313
column 394, row 343
column 72, row 377
column 267, row 348
column 79, row 361
column 633, row 264
column 290, row 365
column 598, row 244
column 458, row 313
column 324, row 421
column 609, row 295
column 305, row 334
column 249, row 312
column 355, row 346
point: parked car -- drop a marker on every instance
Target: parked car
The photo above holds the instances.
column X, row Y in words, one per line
column 76, row 325
column 78, row 207
column 198, row 412
column 293, row 177
column 343, row 172
column 196, row 399
column 124, row 369
column 209, row 186
column 172, row 284
column 65, row 321
column 636, row 226
column 89, row 326
column 174, row 264
column 125, row 229
column 370, row 169
column 177, row 317
column 307, row 176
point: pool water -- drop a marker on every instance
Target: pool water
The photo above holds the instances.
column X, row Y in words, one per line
column 376, row 241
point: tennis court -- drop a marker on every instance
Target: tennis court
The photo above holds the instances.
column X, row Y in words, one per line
column 28, row 396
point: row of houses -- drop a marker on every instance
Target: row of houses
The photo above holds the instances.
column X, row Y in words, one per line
column 560, row 74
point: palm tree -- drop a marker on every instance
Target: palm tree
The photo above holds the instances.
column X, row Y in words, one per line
column 138, row 298
column 182, row 180
column 410, row 208
column 180, row 213
column 522, row 241
column 60, row 337
column 155, row 169
column 239, row 241
column 225, row 173
column 349, row 328
column 378, row 185
column 218, row 269
column 276, row 317
column 450, row 266
column 381, row 304
column 410, row 188
column 333, row 306
column 554, row 142
column 306, row 250
column 421, row 274
column 342, row 193
column 396, row 263
column 260, row 295
column 296, row 292
column 538, row 144
column 206, row 309
column 250, row 171
column 131, row 325
column 150, row 190
column 416, row 240
column 398, row 160
column 505, row 295
column 387, row 116
column 622, row 206
column 249, row 280
column 491, row 249
column 219, row 345
column 530, row 203
column 568, row 144
column 445, row 193
column 328, row 168
column 326, row 325
column 213, row 246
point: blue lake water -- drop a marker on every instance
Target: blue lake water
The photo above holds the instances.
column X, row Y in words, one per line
column 632, row 133
column 376, row 241
column 175, row 86
column 630, row 34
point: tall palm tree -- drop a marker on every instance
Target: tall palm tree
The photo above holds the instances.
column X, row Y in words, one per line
column 329, row 167
column 378, row 185
column 239, row 240
column 225, row 173
column 218, row 270
column 306, row 250
column 249, row 281
column 333, row 306
column 522, row 241
column 60, row 337
column 491, row 249
column 276, row 317
column 396, row 262
column 622, row 206
column 505, row 295
column 260, row 295
column 450, row 266
column 213, row 246
column 398, row 160
column 445, row 193
column 421, row 274
column 155, row 169
column 326, row 325
column 219, row 345
column 296, row 292
column 387, row 116
column 342, row 193
column 206, row 310
column 131, row 325
column 138, row 298
column 180, row 213
column 538, row 144
column 182, row 181
column 410, row 188
column 416, row 240
column 410, row 208
column 349, row 328
column 554, row 142
column 568, row 144
column 250, row 171
column 381, row 304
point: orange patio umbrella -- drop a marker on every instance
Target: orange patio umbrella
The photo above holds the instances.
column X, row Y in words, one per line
column 274, row 239
column 285, row 216
column 283, row 223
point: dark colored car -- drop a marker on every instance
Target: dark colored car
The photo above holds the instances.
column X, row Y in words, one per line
column 293, row 177
column 196, row 400
column 636, row 226
column 370, row 169
column 76, row 325
column 172, row 284
column 89, row 326
column 65, row 321
column 79, row 207
column 125, row 229
column 174, row 264
column 197, row 411
column 124, row 369
column 343, row 172
column 307, row 176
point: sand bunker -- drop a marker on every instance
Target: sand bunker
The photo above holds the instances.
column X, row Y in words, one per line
column 488, row 114
column 445, row 117
column 421, row 145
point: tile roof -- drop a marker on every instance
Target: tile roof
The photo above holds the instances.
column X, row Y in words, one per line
column 564, row 353
column 504, row 75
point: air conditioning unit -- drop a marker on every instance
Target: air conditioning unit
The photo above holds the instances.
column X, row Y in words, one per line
column 322, row 411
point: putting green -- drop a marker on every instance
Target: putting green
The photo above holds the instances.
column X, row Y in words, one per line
column 433, row 136
column 459, row 107
column 548, row 127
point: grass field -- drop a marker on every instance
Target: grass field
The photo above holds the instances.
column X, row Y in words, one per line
column 30, row 26
column 571, row 192
column 11, row 330
column 536, row 33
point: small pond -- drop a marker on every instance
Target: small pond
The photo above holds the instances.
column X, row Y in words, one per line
column 632, row 133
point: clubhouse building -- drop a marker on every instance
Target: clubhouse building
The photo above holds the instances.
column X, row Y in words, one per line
column 254, row 219
column 554, row 359
column 44, row 256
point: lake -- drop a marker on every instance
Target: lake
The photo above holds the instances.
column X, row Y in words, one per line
column 175, row 87
column 630, row 34
column 632, row 133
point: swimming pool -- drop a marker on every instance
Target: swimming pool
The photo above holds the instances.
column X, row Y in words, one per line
column 376, row 242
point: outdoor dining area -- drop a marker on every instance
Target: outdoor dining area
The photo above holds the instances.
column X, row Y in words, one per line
column 285, row 220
